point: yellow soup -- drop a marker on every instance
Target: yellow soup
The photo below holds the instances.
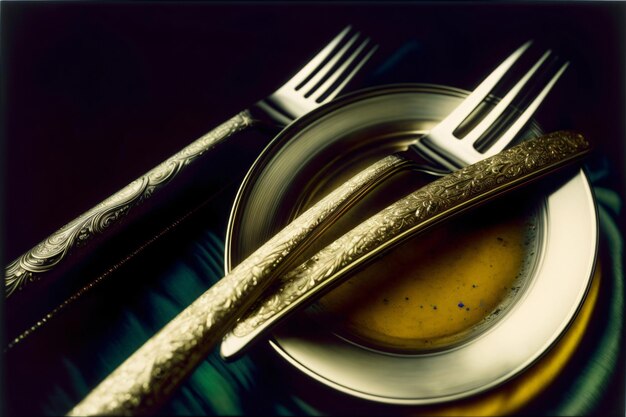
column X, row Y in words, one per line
column 441, row 286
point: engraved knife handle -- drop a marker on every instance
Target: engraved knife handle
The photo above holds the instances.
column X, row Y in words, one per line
column 146, row 379
column 447, row 196
column 48, row 257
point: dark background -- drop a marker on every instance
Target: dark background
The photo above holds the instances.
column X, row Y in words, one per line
column 95, row 94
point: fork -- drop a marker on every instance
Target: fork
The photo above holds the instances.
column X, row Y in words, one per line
column 153, row 371
column 440, row 146
column 318, row 82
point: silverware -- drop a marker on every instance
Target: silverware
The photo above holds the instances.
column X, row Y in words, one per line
column 144, row 379
column 318, row 82
column 440, row 146
column 139, row 384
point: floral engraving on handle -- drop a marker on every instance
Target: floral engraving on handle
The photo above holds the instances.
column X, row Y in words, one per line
column 415, row 210
column 43, row 257
column 149, row 375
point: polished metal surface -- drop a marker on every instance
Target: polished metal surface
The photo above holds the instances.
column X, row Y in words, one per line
column 294, row 172
column 453, row 151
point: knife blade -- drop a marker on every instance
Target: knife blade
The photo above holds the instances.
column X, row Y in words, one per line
column 448, row 196
column 152, row 373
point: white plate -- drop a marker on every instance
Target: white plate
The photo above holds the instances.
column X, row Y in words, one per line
column 350, row 133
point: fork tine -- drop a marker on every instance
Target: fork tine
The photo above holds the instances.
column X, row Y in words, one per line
column 356, row 69
column 497, row 111
column 458, row 115
column 515, row 128
column 325, row 88
column 315, row 62
column 312, row 83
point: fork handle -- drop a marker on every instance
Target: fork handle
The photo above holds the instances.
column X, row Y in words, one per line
column 48, row 260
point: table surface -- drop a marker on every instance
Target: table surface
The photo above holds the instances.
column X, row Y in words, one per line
column 97, row 93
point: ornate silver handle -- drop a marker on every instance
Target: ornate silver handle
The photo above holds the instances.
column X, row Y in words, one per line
column 439, row 200
column 146, row 379
column 33, row 265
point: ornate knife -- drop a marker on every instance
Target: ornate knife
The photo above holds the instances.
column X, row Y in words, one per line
column 146, row 379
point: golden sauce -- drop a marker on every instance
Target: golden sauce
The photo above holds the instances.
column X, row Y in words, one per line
column 431, row 292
